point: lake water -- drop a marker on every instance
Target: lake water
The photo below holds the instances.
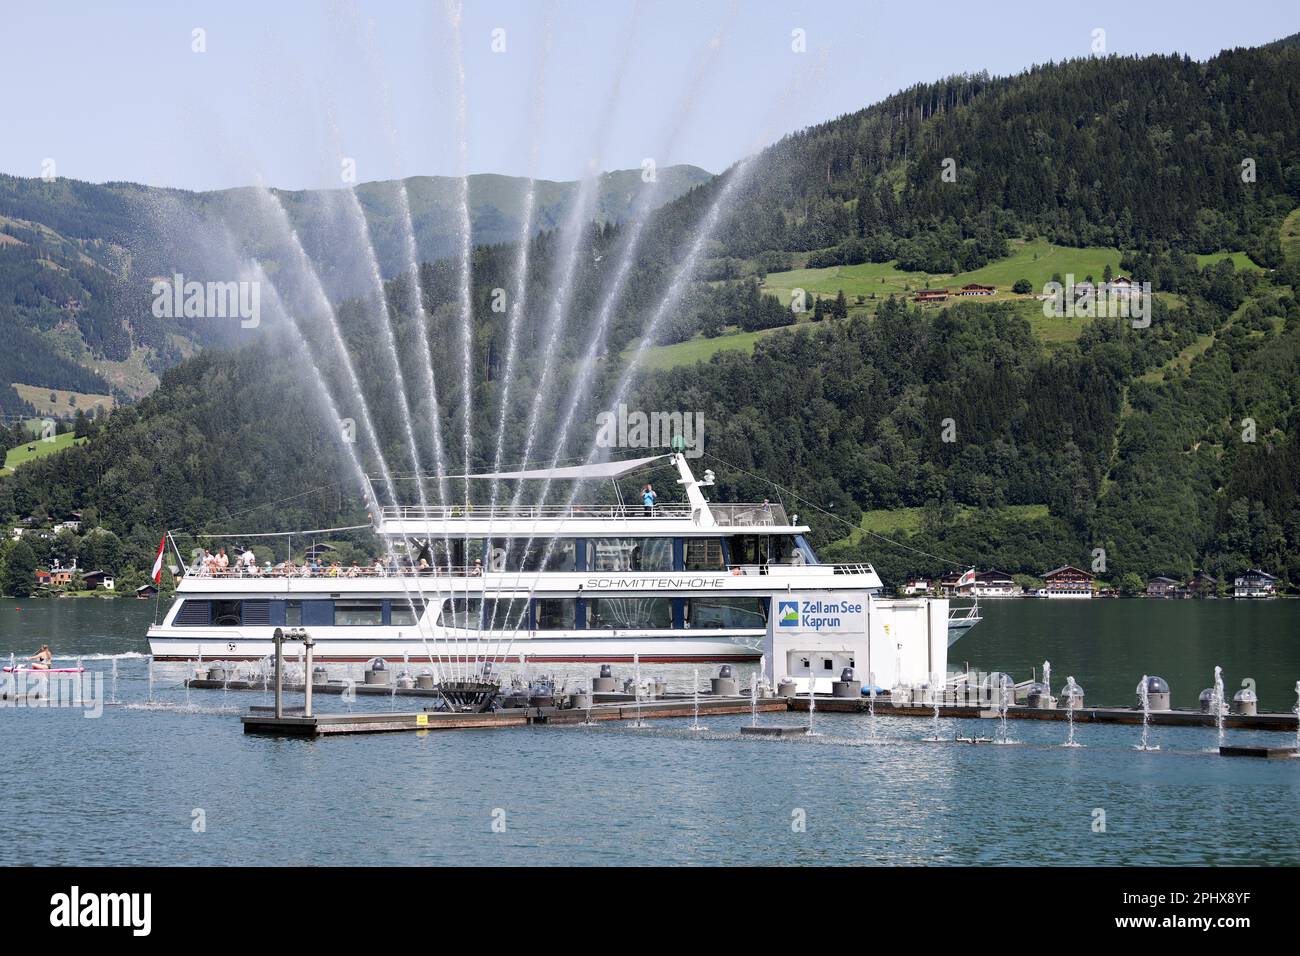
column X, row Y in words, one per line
column 130, row 786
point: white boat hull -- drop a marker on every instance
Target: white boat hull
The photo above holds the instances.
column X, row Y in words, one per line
column 579, row 647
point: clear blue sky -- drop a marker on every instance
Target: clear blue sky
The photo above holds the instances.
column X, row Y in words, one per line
column 114, row 91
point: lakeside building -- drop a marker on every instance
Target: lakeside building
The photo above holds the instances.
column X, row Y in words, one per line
column 1163, row 587
column 994, row 584
column 948, row 584
column 98, row 579
column 1203, row 585
column 56, row 576
column 1066, row 581
column 1254, row 583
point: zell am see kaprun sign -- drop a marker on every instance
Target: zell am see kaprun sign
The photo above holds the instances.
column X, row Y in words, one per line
column 822, row 613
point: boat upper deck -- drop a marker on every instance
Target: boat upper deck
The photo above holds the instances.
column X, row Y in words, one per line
column 551, row 520
column 388, row 578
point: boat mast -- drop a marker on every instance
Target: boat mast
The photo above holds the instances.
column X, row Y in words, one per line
column 700, row 512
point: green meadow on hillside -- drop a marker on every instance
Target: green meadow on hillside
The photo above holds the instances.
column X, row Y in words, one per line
column 38, row 448
column 1036, row 260
column 896, row 521
column 1240, row 261
column 1049, row 330
column 700, row 349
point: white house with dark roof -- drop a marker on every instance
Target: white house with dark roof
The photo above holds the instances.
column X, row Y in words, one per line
column 994, row 584
column 1254, row 584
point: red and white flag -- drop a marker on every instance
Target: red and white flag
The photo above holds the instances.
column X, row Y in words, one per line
column 967, row 578
column 157, row 561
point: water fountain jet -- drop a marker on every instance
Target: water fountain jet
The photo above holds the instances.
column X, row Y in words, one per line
column 1073, row 693
column 695, row 698
column 1144, row 701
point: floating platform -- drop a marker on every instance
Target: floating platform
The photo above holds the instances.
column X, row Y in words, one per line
column 620, row 706
column 1083, row 715
column 263, row 720
column 761, row 731
column 1263, row 752
column 333, row 687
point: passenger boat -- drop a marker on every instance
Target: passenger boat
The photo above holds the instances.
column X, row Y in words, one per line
column 695, row 581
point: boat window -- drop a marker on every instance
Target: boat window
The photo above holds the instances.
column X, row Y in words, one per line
column 455, row 553
column 630, row 612
column 726, row 612
column 226, row 613
column 748, row 549
column 785, row 549
column 526, row 554
column 765, row 549
column 563, row 556
column 404, row 612
column 630, row 554
column 556, row 614
column 462, row 612
column 358, row 613
column 293, row 614
column 506, row 614
column 704, row 554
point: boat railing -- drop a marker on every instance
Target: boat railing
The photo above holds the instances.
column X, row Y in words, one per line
column 774, row 567
column 762, row 514
column 961, row 615
column 853, row 569
column 488, row 512
column 748, row 515
column 258, row 572
column 298, row 571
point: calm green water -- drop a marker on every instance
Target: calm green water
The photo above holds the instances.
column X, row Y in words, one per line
column 1108, row 645
column 128, row 786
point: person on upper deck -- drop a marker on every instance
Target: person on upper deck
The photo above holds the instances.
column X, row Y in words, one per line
column 648, row 498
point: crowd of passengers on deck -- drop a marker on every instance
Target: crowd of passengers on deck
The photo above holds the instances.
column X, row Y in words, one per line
column 217, row 564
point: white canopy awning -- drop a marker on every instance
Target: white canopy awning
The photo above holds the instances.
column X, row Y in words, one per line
column 595, row 471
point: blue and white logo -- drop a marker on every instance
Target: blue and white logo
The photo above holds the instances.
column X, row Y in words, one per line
column 788, row 613
column 828, row 612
